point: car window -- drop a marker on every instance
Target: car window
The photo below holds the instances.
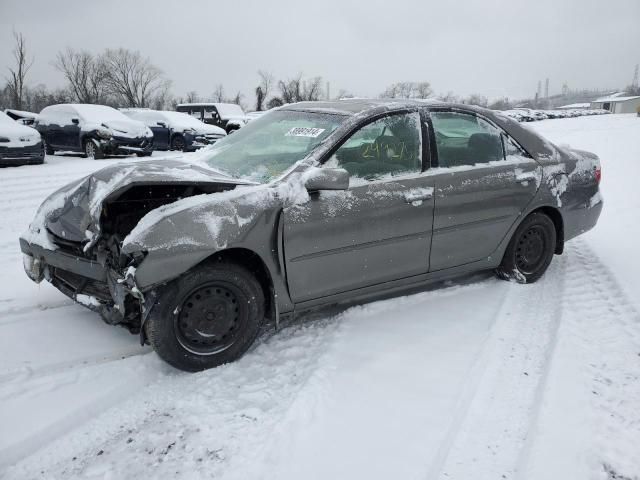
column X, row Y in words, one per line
column 388, row 146
column 464, row 139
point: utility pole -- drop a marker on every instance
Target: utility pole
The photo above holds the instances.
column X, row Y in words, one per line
column 634, row 83
column 328, row 91
column 546, row 88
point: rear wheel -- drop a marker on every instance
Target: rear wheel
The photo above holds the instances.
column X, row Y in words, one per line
column 530, row 250
column 143, row 154
column 207, row 317
column 48, row 150
column 92, row 151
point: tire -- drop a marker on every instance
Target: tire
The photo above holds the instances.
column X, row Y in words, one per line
column 178, row 143
column 93, row 151
column 530, row 250
column 143, row 154
column 48, row 150
column 208, row 317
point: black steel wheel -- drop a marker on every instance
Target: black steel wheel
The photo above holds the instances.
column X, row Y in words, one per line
column 207, row 317
column 530, row 250
column 210, row 318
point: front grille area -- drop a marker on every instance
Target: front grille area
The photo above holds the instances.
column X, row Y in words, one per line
column 139, row 142
column 71, row 283
column 66, row 246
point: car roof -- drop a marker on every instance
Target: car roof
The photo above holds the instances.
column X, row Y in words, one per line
column 354, row 106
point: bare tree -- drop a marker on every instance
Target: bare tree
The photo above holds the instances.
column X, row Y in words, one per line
column 476, row 99
column 500, row 104
column 298, row 90
column 449, row 97
column 218, row 94
column 18, row 74
column 85, row 74
column 192, row 97
column 263, row 89
column 408, row 90
column 132, row 78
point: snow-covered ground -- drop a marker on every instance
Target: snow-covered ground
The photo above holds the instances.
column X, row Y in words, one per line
column 473, row 379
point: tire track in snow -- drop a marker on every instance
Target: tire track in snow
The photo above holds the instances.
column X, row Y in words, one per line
column 500, row 402
column 601, row 332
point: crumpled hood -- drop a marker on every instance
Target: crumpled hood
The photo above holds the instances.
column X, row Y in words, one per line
column 73, row 212
column 127, row 128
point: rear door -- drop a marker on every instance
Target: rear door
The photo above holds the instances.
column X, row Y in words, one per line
column 376, row 231
column 483, row 182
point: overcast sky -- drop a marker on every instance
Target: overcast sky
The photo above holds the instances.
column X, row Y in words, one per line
column 492, row 47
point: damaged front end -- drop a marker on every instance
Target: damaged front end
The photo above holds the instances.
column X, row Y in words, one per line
column 76, row 238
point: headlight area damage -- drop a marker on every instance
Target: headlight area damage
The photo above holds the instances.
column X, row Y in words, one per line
column 76, row 239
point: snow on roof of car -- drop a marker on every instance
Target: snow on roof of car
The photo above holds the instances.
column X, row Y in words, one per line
column 97, row 113
column 574, row 105
column 616, row 99
column 21, row 113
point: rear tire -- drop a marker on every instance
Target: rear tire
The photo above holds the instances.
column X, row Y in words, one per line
column 530, row 250
column 208, row 317
column 143, row 154
column 93, row 151
column 48, row 150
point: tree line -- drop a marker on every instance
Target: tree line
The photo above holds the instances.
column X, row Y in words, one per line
column 125, row 78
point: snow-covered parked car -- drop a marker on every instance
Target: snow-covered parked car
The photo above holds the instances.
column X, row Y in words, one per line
column 228, row 116
column 176, row 130
column 95, row 130
column 20, row 116
column 312, row 204
column 19, row 144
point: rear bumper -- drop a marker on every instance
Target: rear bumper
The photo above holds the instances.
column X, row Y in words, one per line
column 31, row 155
column 582, row 219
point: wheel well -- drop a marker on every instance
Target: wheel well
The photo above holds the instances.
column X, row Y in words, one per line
column 556, row 217
column 252, row 262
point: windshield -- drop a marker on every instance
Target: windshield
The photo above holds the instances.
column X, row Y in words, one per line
column 271, row 144
column 5, row 119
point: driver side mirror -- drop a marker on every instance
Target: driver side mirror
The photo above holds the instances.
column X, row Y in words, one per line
column 327, row 179
column 75, row 121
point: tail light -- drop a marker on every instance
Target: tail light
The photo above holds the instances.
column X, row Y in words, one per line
column 598, row 174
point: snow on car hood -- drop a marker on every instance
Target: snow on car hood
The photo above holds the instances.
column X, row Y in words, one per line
column 18, row 135
column 73, row 212
column 127, row 128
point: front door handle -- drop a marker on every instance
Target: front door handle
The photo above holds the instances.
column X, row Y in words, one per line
column 526, row 177
column 417, row 196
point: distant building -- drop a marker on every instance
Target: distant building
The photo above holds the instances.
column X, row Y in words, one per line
column 575, row 106
column 618, row 103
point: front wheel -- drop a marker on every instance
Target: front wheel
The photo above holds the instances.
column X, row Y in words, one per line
column 178, row 143
column 93, row 151
column 530, row 250
column 208, row 317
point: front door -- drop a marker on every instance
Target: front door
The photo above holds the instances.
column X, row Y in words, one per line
column 376, row 231
column 484, row 182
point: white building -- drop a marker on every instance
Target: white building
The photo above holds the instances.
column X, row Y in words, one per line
column 618, row 103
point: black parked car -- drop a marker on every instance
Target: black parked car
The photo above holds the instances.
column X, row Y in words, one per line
column 229, row 116
column 95, row 130
column 175, row 130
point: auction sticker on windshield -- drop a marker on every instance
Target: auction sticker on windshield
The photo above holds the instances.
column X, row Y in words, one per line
column 304, row 132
